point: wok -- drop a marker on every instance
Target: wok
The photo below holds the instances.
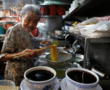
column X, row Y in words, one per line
column 62, row 58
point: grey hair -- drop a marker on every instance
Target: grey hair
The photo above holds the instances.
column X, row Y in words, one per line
column 30, row 7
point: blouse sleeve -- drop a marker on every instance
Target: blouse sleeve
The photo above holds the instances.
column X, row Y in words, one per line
column 9, row 45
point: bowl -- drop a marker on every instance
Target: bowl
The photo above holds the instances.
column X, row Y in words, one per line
column 40, row 83
column 7, row 85
column 81, row 79
column 58, row 32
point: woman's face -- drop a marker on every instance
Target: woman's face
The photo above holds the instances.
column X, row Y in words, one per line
column 29, row 21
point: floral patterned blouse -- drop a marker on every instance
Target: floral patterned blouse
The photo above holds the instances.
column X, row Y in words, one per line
column 16, row 40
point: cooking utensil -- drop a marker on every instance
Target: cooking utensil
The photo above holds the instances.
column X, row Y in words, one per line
column 98, row 71
column 62, row 58
column 59, row 37
column 36, row 50
column 79, row 57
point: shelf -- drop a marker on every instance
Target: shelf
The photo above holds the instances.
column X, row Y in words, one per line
column 71, row 19
column 52, row 2
column 91, row 8
column 92, row 40
column 44, row 16
column 8, row 22
column 9, row 17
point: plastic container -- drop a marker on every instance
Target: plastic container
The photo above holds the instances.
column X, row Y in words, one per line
column 1, row 30
column 7, row 85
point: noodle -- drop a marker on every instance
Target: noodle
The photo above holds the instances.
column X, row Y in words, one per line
column 54, row 52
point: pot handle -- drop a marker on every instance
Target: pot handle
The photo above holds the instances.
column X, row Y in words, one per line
column 75, row 46
column 96, row 70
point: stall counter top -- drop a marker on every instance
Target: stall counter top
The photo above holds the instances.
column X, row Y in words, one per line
column 16, row 88
column 5, row 88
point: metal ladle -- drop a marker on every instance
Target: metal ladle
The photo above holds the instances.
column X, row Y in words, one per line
column 75, row 47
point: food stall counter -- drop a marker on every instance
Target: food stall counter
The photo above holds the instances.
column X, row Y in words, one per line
column 6, row 88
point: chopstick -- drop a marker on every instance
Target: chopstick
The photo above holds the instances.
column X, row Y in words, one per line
column 36, row 50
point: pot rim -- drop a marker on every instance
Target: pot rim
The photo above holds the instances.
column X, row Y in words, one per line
column 40, row 68
column 82, row 69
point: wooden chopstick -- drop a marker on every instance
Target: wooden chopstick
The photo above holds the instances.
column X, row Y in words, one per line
column 42, row 48
column 36, row 50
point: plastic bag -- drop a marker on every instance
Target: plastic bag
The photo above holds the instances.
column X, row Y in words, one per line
column 105, row 26
column 101, row 29
column 91, row 20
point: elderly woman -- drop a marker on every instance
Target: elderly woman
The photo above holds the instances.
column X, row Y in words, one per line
column 17, row 42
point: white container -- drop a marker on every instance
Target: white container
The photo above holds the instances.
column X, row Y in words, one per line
column 40, row 85
column 74, row 85
column 7, row 85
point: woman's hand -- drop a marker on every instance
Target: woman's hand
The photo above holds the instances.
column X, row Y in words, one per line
column 31, row 53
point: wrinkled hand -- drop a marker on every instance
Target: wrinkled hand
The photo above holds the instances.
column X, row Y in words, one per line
column 37, row 53
column 31, row 53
